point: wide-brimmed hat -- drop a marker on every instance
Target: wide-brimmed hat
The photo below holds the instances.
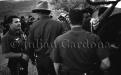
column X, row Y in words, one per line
column 42, row 7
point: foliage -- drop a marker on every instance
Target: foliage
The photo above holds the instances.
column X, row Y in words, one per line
column 68, row 4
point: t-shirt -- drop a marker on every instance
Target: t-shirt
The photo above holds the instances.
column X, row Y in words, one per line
column 79, row 50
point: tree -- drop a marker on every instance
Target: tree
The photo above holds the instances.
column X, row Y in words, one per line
column 69, row 4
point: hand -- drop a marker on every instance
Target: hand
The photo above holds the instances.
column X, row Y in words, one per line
column 114, row 46
column 25, row 57
column 94, row 21
column 105, row 64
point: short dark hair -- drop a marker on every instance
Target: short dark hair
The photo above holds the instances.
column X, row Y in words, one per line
column 10, row 19
column 76, row 16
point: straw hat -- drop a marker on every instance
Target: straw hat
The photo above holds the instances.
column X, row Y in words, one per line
column 42, row 8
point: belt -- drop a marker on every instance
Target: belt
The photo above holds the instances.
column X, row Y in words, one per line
column 73, row 72
column 76, row 73
column 70, row 72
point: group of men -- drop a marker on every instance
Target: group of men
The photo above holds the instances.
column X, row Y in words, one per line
column 52, row 50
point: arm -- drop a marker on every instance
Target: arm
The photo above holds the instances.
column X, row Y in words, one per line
column 16, row 55
column 6, row 49
column 108, row 12
column 105, row 63
column 57, row 66
column 30, row 42
column 12, row 55
column 56, row 57
column 98, row 22
column 103, row 54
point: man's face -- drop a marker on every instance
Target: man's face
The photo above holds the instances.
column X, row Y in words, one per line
column 16, row 24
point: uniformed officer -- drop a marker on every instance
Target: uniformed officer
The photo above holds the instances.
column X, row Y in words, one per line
column 13, row 47
column 41, row 38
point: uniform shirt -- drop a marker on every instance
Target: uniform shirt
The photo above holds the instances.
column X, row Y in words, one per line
column 44, row 33
column 9, row 44
column 78, row 50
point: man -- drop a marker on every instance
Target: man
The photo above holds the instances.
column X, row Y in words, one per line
column 101, row 16
column 95, row 19
column 77, row 52
column 13, row 47
column 41, row 38
column 87, row 18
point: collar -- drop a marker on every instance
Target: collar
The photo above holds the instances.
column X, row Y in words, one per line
column 15, row 32
column 76, row 28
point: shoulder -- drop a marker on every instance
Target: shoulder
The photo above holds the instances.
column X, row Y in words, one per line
column 5, row 38
column 51, row 21
column 56, row 24
column 35, row 24
column 6, row 35
column 92, row 36
column 63, row 37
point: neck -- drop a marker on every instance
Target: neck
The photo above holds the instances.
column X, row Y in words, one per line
column 13, row 29
column 73, row 26
column 44, row 16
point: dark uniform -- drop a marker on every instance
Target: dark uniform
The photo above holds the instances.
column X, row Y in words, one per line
column 77, row 52
column 42, row 35
column 14, row 42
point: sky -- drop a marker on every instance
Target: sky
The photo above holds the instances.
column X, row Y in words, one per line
column 15, row 0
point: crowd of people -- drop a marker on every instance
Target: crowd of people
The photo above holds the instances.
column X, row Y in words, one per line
column 74, row 45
